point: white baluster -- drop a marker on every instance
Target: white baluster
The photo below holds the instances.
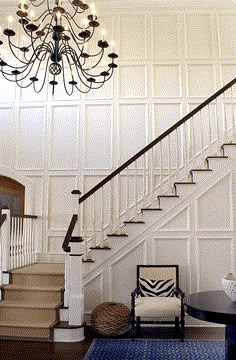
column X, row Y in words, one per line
column 233, row 113
column 217, row 107
column 144, row 179
column 201, row 136
column 225, row 118
column 102, row 217
column 136, row 188
column 127, row 217
column 161, row 167
column 94, row 219
column 119, row 192
column 177, row 153
column 169, row 163
column 209, row 125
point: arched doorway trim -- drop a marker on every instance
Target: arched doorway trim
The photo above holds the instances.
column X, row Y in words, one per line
column 23, row 180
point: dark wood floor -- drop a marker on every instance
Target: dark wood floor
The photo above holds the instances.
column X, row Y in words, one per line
column 23, row 350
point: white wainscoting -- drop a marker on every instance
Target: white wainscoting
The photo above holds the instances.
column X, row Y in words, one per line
column 169, row 62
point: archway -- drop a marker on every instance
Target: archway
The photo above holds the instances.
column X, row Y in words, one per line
column 12, row 195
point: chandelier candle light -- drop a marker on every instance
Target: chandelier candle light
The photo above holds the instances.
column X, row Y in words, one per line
column 54, row 46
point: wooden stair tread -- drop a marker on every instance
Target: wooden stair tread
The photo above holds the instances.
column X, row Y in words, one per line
column 16, row 287
column 151, row 209
column 184, row 183
column 40, row 269
column 200, row 170
column 65, row 325
column 119, row 235
column 134, row 222
column 168, row 196
column 100, row 248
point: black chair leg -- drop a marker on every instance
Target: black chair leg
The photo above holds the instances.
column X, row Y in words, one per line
column 138, row 327
column 182, row 330
column 177, row 328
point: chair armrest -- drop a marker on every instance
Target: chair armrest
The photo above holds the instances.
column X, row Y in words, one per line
column 135, row 292
column 179, row 293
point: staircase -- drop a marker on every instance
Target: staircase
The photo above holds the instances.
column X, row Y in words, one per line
column 117, row 215
column 31, row 302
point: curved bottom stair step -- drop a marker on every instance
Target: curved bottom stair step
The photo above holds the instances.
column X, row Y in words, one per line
column 27, row 331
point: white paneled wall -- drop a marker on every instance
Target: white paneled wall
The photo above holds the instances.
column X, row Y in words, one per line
column 169, row 61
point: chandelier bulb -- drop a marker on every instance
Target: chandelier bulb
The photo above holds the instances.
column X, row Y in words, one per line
column 85, row 23
column 112, row 43
column 93, row 11
column 103, row 33
column 32, row 16
column 10, row 21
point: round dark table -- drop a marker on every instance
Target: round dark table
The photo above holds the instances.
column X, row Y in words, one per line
column 216, row 307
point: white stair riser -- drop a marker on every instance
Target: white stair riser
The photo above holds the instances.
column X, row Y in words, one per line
column 230, row 151
column 68, row 335
column 150, row 216
column 168, row 202
column 134, row 229
column 201, row 177
column 183, row 190
column 218, row 164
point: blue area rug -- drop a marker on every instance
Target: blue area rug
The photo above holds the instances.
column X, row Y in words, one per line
column 151, row 349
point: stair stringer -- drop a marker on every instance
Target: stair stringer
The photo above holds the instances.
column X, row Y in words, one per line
column 101, row 273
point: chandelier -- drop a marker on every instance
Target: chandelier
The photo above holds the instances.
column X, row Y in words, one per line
column 54, row 47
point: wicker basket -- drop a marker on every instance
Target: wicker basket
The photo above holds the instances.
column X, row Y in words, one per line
column 110, row 319
column 229, row 286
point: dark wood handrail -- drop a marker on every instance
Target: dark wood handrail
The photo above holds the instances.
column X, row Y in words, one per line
column 2, row 219
column 157, row 140
column 65, row 245
column 25, row 216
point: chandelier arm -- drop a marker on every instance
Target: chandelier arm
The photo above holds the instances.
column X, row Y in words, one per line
column 76, row 11
column 71, row 31
column 44, row 79
column 106, row 78
column 11, row 75
column 84, row 91
column 35, row 4
column 64, row 80
column 86, row 71
column 80, row 74
column 74, row 36
column 46, row 13
column 12, row 46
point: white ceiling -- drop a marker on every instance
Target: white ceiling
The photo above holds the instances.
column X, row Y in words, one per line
column 166, row 3
column 153, row 3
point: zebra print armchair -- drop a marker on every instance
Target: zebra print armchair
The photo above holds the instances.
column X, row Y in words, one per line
column 157, row 298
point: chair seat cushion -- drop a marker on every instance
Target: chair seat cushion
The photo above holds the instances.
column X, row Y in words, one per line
column 159, row 307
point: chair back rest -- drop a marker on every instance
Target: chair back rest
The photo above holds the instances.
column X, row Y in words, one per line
column 158, row 272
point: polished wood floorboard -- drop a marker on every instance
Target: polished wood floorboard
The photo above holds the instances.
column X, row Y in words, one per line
column 24, row 350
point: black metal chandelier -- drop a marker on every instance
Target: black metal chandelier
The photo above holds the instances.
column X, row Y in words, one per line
column 54, row 46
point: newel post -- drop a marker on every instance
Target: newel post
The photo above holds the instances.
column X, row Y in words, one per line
column 5, row 241
column 76, row 296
